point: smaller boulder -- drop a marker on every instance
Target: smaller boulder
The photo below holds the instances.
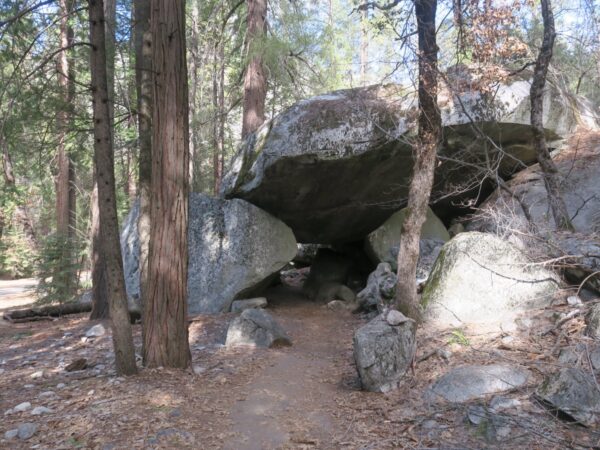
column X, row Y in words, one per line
column 395, row 318
column 22, row 407
column 256, row 328
column 96, row 331
column 592, row 321
column 339, row 305
column 383, row 243
column 380, row 290
column 383, row 353
column 11, row 434
column 334, row 291
column 574, row 392
column 26, row 430
column 251, row 303
column 466, row 383
column 328, row 266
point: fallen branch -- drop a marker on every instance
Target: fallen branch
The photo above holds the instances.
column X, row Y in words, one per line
column 46, row 312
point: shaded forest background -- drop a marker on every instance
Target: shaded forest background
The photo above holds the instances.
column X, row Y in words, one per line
column 309, row 48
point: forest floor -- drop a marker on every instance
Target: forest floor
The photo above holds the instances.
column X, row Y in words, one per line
column 306, row 396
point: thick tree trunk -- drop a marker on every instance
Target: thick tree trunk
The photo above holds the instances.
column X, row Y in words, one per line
column 143, row 75
column 165, row 308
column 99, row 288
column 109, row 227
column 429, row 136
column 551, row 175
column 255, row 81
column 65, row 176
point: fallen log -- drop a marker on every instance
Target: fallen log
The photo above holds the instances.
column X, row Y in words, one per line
column 45, row 312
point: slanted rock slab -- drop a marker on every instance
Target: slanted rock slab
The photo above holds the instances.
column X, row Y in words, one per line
column 574, row 392
column 383, row 353
column 234, row 249
column 256, row 328
column 465, row 383
column 334, row 166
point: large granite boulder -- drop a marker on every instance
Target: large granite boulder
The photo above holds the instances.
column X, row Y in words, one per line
column 383, row 243
column 233, row 248
column 479, row 278
column 383, row 351
column 579, row 164
column 334, row 167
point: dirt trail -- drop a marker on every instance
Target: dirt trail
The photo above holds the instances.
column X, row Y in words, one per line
column 291, row 401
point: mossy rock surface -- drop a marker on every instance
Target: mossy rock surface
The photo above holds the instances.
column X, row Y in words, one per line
column 480, row 278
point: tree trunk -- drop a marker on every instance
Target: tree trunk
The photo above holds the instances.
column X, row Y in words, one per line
column 165, row 308
column 255, row 81
column 551, row 174
column 364, row 47
column 99, row 288
column 65, row 176
column 218, row 78
column 109, row 227
column 429, row 136
column 143, row 74
column 7, row 165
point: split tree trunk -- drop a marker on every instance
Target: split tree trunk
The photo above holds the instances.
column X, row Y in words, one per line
column 143, row 75
column 255, row 81
column 109, row 227
column 551, row 174
column 429, row 136
column 165, row 305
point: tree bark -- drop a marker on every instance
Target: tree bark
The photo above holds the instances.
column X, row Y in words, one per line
column 165, row 308
column 218, row 79
column 255, row 81
column 99, row 288
column 429, row 136
column 143, row 75
column 65, row 176
column 109, row 227
column 549, row 170
column 364, row 47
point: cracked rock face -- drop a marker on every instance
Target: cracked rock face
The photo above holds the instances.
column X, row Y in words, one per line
column 234, row 247
column 574, row 392
column 334, row 167
column 479, row 278
column 383, row 353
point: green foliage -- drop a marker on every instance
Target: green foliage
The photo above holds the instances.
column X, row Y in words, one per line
column 16, row 255
column 458, row 337
column 58, row 268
